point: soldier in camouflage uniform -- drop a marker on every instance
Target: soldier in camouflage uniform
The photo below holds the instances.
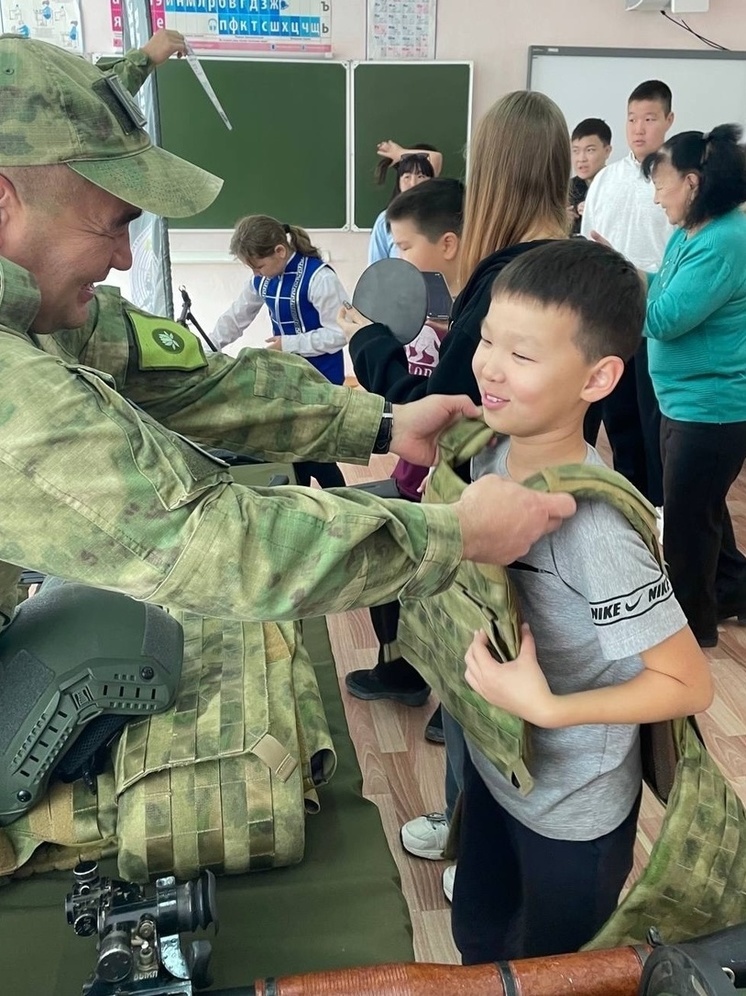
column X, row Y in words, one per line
column 102, row 404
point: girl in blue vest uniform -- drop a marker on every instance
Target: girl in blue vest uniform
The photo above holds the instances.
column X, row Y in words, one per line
column 303, row 296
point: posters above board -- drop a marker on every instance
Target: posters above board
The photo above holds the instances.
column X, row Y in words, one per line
column 401, row 29
column 256, row 27
column 55, row 21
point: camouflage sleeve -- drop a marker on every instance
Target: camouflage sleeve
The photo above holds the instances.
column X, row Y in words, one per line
column 133, row 68
column 270, row 405
column 263, row 403
column 97, row 491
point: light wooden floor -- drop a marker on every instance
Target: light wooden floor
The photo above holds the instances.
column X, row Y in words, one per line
column 403, row 774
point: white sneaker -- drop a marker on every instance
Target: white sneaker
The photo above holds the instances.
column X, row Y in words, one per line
column 449, row 877
column 426, row 836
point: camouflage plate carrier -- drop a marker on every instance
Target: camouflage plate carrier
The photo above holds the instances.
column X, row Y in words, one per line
column 695, row 878
column 222, row 780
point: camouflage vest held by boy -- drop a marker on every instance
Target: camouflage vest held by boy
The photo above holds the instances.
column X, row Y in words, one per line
column 693, row 882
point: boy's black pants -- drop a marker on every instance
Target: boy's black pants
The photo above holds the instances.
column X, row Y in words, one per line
column 708, row 572
column 632, row 417
column 520, row 895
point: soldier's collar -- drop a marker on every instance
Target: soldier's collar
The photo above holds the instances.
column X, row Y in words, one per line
column 20, row 298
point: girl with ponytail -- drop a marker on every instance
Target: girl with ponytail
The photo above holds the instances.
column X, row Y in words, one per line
column 303, row 296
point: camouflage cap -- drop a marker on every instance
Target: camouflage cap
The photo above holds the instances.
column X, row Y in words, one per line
column 57, row 108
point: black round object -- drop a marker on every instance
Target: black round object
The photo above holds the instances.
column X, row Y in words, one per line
column 671, row 971
column 115, row 959
column 394, row 293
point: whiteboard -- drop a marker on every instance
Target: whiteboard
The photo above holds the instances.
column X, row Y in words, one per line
column 709, row 88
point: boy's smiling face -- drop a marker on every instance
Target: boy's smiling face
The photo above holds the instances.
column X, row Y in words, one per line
column 533, row 379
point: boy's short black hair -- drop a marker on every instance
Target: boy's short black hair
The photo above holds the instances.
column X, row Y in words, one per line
column 596, row 283
column 653, row 90
column 434, row 207
column 592, row 126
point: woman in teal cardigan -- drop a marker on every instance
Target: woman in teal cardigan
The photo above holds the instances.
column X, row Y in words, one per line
column 696, row 327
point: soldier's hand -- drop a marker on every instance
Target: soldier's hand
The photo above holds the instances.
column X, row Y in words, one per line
column 164, row 44
column 418, row 425
column 501, row 520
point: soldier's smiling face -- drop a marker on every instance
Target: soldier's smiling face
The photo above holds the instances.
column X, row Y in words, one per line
column 68, row 247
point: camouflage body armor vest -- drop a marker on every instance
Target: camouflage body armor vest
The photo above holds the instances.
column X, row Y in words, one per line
column 222, row 780
column 695, row 878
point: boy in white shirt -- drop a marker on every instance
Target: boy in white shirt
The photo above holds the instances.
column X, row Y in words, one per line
column 620, row 207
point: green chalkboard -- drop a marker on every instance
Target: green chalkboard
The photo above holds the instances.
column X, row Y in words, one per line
column 287, row 153
column 412, row 102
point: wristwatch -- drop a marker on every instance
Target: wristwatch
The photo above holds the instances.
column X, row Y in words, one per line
column 385, row 429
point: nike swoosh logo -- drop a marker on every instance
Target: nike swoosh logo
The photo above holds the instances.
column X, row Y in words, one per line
column 633, row 606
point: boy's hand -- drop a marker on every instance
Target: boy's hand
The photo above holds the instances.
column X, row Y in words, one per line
column 274, row 342
column 351, row 321
column 164, row 44
column 517, row 686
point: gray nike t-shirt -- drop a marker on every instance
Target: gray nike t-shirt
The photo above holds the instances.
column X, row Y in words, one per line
column 595, row 599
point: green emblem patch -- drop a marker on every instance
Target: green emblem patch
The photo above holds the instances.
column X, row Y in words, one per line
column 172, row 342
column 165, row 345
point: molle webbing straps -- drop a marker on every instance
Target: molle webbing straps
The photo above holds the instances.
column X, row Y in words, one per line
column 435, row 632
column 221, row 780
column 224, row 779
column 69, row 824
column 694, row 881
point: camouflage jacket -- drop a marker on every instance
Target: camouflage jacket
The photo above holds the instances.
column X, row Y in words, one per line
column 133, row 68
column 103, row 492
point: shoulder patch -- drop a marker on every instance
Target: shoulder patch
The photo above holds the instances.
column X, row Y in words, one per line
column 163, row 344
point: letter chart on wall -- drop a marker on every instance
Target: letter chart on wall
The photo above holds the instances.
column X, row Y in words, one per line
column 265, row 26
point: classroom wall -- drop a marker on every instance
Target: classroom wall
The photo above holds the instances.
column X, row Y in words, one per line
column 495, row 35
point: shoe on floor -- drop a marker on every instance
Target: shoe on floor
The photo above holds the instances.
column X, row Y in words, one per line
column 367, row 684
column 449, row 877
column 426, row 836
column 434, row 729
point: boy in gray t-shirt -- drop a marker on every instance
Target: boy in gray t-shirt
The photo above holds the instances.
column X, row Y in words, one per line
column 608, row 646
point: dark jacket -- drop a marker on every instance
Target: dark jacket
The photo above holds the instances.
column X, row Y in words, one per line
column 380, row 362
column 578, row 194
